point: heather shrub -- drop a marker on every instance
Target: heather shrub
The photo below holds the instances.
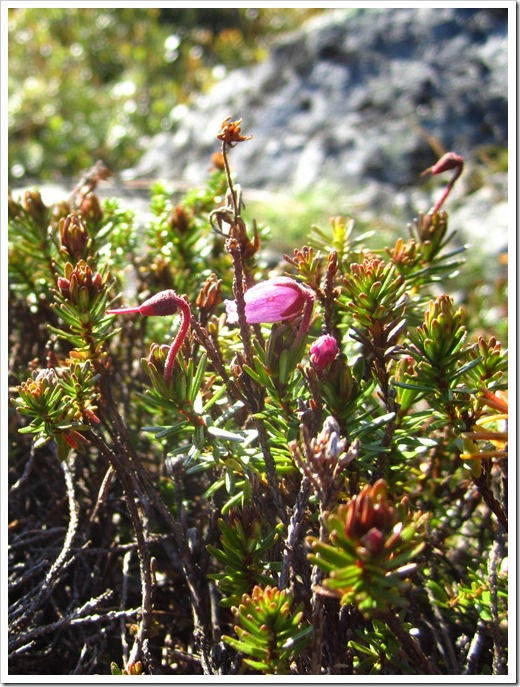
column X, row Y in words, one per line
column 223, row 467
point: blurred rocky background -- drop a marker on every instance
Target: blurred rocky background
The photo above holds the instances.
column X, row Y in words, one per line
column 347, row 107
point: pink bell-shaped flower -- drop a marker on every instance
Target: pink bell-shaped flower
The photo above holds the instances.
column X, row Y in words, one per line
column 272, row 300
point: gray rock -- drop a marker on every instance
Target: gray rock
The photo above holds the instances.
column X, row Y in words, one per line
column 354, row 95
column 358, row 99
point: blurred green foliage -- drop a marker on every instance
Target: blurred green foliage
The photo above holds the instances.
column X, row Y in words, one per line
column 94, row 83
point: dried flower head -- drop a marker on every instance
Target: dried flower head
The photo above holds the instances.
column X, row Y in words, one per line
column 328, row 445
column 230, row 133
column 217, row 160
column 210, row 294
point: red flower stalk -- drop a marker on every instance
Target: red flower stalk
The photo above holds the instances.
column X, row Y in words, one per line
column 275, row 300
column 162, row 304
column 446, row 162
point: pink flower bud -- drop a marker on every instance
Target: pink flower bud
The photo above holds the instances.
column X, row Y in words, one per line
column 273, row 300
column 448, row 161
column 323, row 351
column 163, row 303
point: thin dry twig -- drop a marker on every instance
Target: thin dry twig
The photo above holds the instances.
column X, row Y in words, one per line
column 475, row 649
column 499, row 655
column 128, row 480
column 124, row 595
column 45, row 588
column 75, row 619
column 26, row 472
column 293, row 531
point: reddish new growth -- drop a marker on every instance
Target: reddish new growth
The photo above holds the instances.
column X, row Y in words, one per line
column 163, row 303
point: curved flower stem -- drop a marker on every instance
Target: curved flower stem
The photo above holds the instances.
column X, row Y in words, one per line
column 306, row 318
column 447, row 190
column 185, row 314
column 448, row 161
column 162, row 304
